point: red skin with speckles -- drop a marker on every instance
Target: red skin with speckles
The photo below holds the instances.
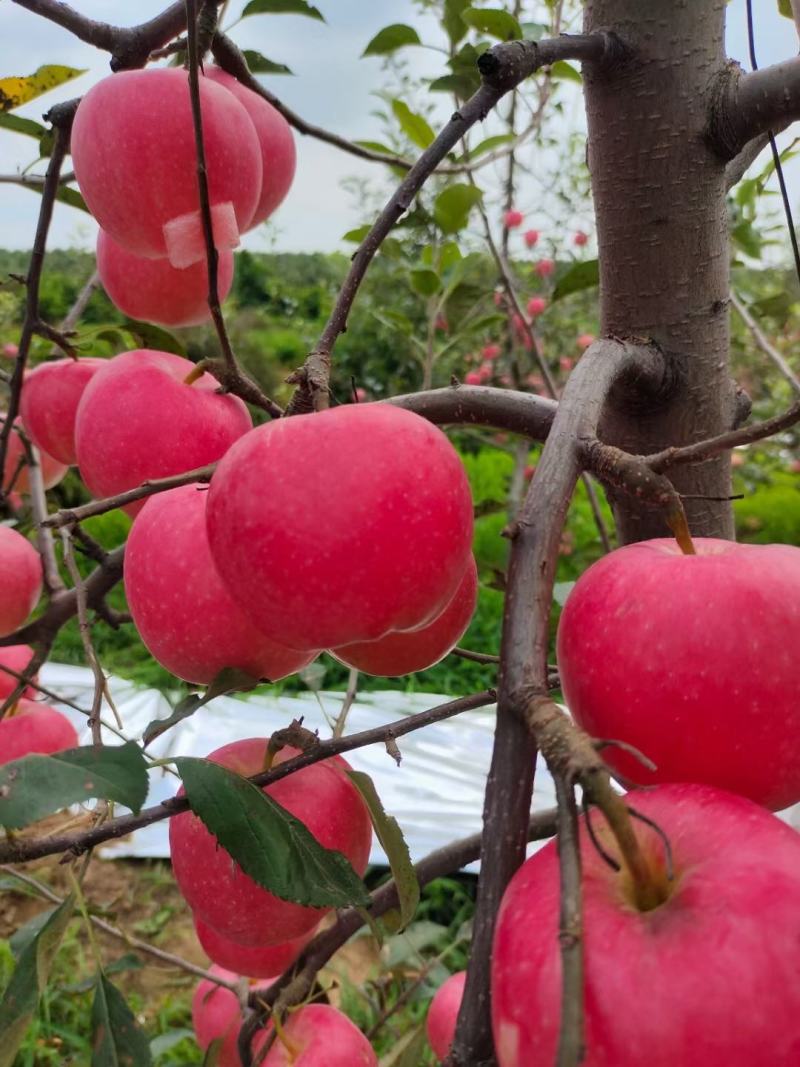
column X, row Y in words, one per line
column 49, row 403
column 35, row 728
column 443, row 1014
column 216, row 889
column 416, row 650
column 710, row 977
column 321, row 1036
column 693, row 660
column 20, row 579
column 137, row 419
column 182, row 610
column 341, row 526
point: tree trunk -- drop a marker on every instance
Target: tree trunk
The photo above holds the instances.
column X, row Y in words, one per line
column 659, row 193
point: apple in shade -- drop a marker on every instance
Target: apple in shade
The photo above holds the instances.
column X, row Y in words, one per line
column 133, row 150
column 473, row 377
column 139, row 419
column 10, row 350
column 341, row 526
column 216, row 1014
column 536, row 306
column 580, row 239
column 586, row 339
column 529, row 472
column 34, row 728
column 256, row 961
column 155, row 291
column 320, row 1036
column 491, row 351
column 16, row 658
column 512, row 219
column 20, row 579
column 416, row 650
column 440, row 1023
column 693, row 660
column 544, row 267
column 566, row 362
column 276, row 141
column 15, row 469
column 709, row 976
column 360, row 395
column 221, row 894
column 49, row 402
column 531, row 237
column 183, row 612
column 498, row 298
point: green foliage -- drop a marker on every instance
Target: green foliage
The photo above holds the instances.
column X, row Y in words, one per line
column 770, row 515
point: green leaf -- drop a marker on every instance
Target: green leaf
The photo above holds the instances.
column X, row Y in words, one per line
column 583, row 275
column 393, row 844
column 358, row 234
column 453, row 205
column 28, row 932
column 463, row 85
column 35, row 786
column 565, row 71
column 66, row 194
column 376, row 146
column 449, row 256
column 747, row 237
column 229, row 680
column 778, row 306
column 495, row 22
column 408, row 946
column 415, row 127
column 21, row 997
column 259, row 64
column 269, row 844
column 17, row 124
column 488, row 145
column 390, row 38
column 452, row 21
column 116, row 1039
column 425, row 282
column 409, row 1051
column 146, row 335
column 282, row 7
column 16, row 91
column 166, row 1042
column 128, row 962
column 213, row 1052
column 785, row 8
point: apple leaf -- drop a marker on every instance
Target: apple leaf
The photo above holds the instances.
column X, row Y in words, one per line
column 21, row 997
column 167, row 1041
column 487, row 146
column 583, row 275
column 146, row 335
column 425, row 282
column 66, row 194
column 270, row 845
column 565, row 71
column 453, row 205
column 258, row 64
column 417, row 129
column 390, row 38
column 117, row 1041
column 16, row 124
column 785, row 8
column 282, row 7
column 213, row 1052
column 452, row 20
column 35, row 786
column 496, row 23
column 358, row 234
column 229, row 680
column 16, row 91
column 388, row 832
column 409, row 1051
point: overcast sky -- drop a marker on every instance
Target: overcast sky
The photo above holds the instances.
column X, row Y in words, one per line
column 331, row 88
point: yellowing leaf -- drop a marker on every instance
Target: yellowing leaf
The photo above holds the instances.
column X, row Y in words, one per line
column 16, row 91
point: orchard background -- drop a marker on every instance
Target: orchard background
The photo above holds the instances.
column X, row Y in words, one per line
column 471, row 314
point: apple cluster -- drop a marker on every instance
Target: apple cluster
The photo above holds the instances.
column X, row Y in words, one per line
column 133, row 148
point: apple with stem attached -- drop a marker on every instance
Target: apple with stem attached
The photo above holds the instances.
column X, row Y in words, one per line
column 139, row 418
column 20, row 579
column 15, row 469
column 440, row 1023
column 341, row 526
column 699, row 968
column 49, row 403
column 221, row 894
column 320, row 1036
column 692, row 660
column 255, row 961
column 180, row 606
column 216, row 1014
column 16, row 658
column 34, row 728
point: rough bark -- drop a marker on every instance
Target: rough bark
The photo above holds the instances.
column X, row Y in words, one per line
column 659, row 191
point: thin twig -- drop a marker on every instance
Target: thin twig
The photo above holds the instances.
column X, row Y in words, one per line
column 86, row 638
column 571, row 1042
column 347, row 703
column 763, row 342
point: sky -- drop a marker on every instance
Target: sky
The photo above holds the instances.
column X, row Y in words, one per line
column 332, row 87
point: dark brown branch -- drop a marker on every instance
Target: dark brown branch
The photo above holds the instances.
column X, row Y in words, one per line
column 750, row 105
column 293, row 986
column 502, row 69
column 20, row 851
column 570, row 926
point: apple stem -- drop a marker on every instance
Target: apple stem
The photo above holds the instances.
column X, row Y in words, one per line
column 195, row 374
column 678, row 523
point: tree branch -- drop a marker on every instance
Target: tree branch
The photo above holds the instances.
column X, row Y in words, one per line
column 750, row 105
column 20, row 851
column 763, row 342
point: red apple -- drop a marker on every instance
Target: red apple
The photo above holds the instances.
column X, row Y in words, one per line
column 443, row 1013
column 531, row 237
column 15, row 469
column 321, row 796
column 10, row 350
column 343, row 525
column 566, row 362
column 255, row 961
column 529, row 472
column 216, row 1013
column 133, row 150
column 691, row 659
column 320, row 1036
column 512, row 219
column 34, row 728
column 711, row 976
column 536, row 305
column 278, row 155
column 155, row 291
column 491, row 351
column 20, row 579
column 138, row 419
column 416, row 650
column 473, row 377
column 16, row 658
column 580, row 239
column 544, row 267
column 586, row 339
column 49, row 402
column 498, row 298
column 182, row 610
